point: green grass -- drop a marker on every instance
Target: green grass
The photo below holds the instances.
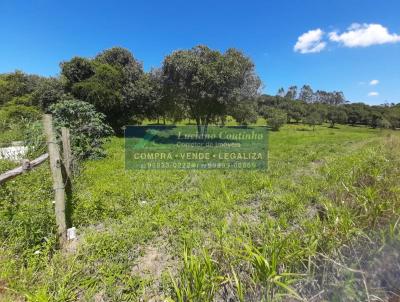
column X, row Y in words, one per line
column 200, row 235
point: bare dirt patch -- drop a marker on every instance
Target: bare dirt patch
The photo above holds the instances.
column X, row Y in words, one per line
column 154, row 261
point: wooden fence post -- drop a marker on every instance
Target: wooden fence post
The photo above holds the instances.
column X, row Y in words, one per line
column 67, row 155
column 58, row 184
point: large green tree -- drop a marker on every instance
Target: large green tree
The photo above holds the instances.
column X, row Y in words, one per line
column 207, row 82
column 114, row 82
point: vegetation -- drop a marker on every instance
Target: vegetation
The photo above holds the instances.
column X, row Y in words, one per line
column 275, row 117
column 200, row 235
column 88, row 129
column 206, row 83
column 201, row 84
column 321, row 222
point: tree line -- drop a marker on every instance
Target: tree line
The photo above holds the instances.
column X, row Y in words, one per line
column 200, row 84
column 331, row 108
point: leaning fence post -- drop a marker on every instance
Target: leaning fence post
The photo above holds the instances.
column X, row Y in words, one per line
column 58, row 184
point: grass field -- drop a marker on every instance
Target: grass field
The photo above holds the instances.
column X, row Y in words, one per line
column 278, row 235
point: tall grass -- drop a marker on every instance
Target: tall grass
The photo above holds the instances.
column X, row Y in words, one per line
column 330, row 197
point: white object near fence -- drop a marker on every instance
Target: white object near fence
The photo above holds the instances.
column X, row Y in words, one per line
column 13, row 153
column 71, row 233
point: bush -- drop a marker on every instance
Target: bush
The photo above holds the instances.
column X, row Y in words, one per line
column 48, row 92
column 15, row 114
column 312, row 119
column 34, row 139
column 383, row 123
column 244, row 112
column 14, row 120
column 276, row 118
column 87, row 126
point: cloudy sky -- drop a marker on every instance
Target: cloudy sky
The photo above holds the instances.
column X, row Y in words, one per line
column 353, row 46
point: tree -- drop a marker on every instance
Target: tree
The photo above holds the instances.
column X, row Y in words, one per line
column 244, row 112
column 16, row 84
column 291, row 93
column 383, row 123
column 357, row 113
column 296, row 111
column 313, row 118
column 122, row 58
column 393, row 116
column 306, row 94
column 206, row 83
column 374, row 118
column 281, row 92
column 49, row 91
column 103, row 90
column 114, row 82
column 76, row 70
column 336, row 115
column 135, row 84
column 276, row 118
column 330, row 98
column 337, row 98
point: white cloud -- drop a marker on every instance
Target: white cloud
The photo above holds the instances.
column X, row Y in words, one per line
column 310, row 42
column 373, row 93
column 374, row 82
column 363, row 35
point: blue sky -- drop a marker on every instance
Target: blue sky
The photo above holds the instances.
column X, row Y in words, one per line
column 35, row 36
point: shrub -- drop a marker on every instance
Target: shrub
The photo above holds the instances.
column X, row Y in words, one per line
column 383, row 123
column 312, row 119
column 244, row 112
column 87, row 126
column 276, row 118
column 34, row 139
column 49, row 91
column 13, row 114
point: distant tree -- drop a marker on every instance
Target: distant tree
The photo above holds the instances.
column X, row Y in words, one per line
column 312, row 119
column 383, row 123
column 393, row 117
column 322, row 109
column 337, row 98
column 374, row 118
column 296, row 111
column 291, row 93
column 336, row 115
column 357, row 113
column 276, row 118
column 330, row 98
column 306, row 94
column 207, row 83
column 281, row 92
